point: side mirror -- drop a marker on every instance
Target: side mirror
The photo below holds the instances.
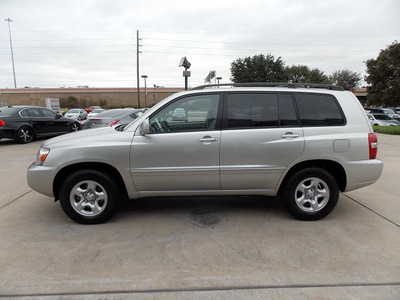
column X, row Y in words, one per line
column 145, row 127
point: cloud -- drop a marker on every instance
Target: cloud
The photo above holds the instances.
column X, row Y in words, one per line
column 93, row 43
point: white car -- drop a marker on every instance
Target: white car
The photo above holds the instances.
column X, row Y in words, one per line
column 76, row 113
column 95, row 112
column 387, row 111
column 382, row 120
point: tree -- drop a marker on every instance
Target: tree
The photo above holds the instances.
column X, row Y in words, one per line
column 70, row 102
column 302, row 73
column 383, row 77
column 259, row 68
column 346, row 79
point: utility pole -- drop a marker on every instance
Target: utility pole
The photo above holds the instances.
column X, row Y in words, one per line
column 137, row 68
column 12, row 54
column 145, row 90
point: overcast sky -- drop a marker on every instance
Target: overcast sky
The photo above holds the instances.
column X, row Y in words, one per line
column 92, row 43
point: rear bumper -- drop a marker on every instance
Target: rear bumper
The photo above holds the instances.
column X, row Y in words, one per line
column 362, row 173
column 6, row 133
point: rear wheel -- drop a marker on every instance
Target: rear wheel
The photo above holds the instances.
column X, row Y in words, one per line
column 311, row 194
column 89, row 196
column 24, row 135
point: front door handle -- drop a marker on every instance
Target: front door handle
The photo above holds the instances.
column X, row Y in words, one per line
column 290, row 135
column 208, row 139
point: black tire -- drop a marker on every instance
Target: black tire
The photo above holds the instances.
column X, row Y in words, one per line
column 310, row 194
column 74, row 127
column 24, row 135
column 89, row 196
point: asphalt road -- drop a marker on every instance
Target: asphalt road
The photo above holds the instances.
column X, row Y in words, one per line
column 200, row 248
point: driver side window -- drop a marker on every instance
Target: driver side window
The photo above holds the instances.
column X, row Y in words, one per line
column 193, row 113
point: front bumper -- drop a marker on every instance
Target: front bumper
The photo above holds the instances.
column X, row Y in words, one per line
column 41, row 178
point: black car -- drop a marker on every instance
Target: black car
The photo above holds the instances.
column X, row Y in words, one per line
column 24, row 123
column 113, row 117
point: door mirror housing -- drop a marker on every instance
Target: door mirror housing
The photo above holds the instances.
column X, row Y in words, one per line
column 145, row 127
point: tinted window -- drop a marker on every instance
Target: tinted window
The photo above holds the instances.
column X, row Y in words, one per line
column 252, row 110
column 318, row 110
column 48, row 113
column 187, row 114
column 31, row 113
column 287, row 111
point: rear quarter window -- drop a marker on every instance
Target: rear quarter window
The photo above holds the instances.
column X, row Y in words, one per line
column 319, row 110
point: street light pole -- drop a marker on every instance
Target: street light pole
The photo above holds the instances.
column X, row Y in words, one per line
column 12, row 54
column 145, row 90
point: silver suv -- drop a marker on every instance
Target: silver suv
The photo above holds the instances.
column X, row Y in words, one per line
column 305, row 143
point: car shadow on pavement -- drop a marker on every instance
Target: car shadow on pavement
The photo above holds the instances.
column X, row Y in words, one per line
column 207, row 209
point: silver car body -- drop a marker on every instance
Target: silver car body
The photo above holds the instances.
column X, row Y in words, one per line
column 382, row 120
column 213, row 162
column 76, row 113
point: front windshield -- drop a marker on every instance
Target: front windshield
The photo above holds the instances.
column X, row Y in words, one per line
column 73, row 111
column 388, row 111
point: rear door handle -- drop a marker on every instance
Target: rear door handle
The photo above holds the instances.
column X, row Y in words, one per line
column 290, row 135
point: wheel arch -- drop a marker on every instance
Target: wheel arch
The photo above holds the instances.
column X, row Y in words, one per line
column 101, row 167
column 330, row 166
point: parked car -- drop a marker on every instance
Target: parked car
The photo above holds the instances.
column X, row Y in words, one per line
column 305, row 144
column 179, row 114
column 382, row 120
column 395, row 109
column 25, row 123
column 386, row 111
column 112, row 117
column 367, row 109
column 76, row 113
column 95, row 112
column 91, row 108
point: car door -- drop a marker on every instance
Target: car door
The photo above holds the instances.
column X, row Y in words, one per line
column 54, row 123
column 260, row 138
column 179, row 155
column 35, row 119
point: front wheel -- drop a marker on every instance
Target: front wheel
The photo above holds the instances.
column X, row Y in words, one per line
column 310, row 194
column 89, row 196
column 74, row 127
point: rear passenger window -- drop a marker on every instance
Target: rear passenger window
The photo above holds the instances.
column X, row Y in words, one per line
column 319, row 110
column 252, row 110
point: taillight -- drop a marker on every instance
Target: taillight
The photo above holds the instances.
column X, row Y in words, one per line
column 2, row 123
column 113, row 123
column 373, row 145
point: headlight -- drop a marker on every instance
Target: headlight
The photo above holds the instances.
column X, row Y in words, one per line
column 41, row 156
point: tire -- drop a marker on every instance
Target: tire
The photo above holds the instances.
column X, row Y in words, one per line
column 310, row 194
column 74, row 127
column 24, row 135
column 89, row 197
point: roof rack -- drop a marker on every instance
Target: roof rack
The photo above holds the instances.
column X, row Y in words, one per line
column 272, row 84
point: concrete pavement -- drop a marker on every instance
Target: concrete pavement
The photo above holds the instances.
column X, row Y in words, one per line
column 200, row 248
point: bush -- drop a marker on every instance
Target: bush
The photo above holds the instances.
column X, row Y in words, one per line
column 395, row 130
